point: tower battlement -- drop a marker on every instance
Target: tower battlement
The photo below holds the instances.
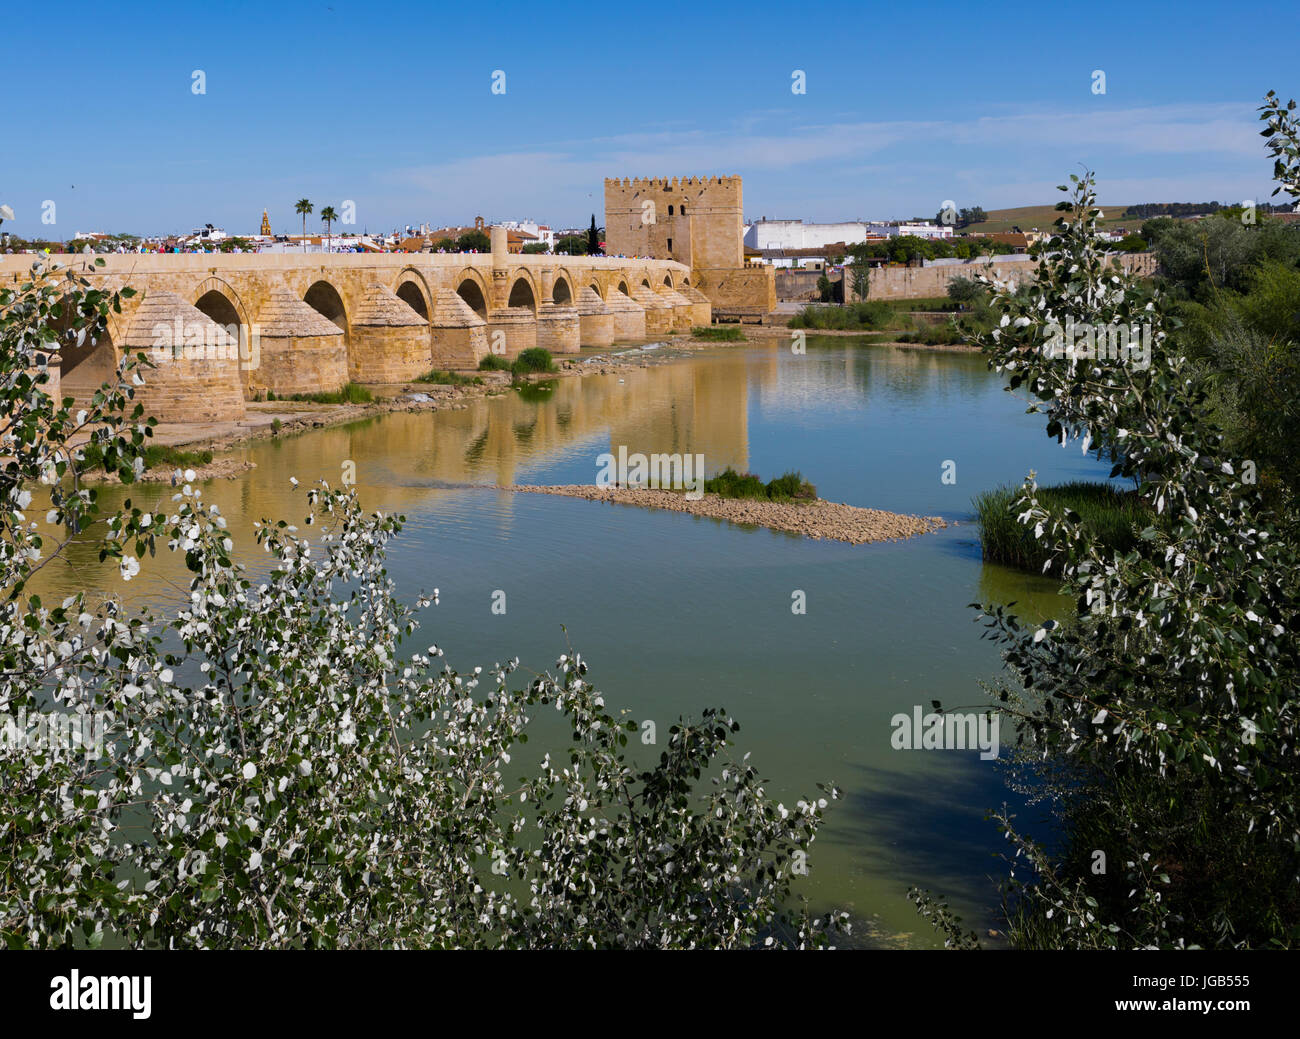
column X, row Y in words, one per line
column 695, row 220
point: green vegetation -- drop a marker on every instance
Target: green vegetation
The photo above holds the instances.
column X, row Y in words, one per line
column 1235, row 288
column 789, row 487
column 572, row 245
column 473, row 242
column 352, row 393
column 963, row 217
column 1000, row 221
column 719, row 334
column 303, row 207
column 534, row 359
column 870, row 316
column 1156, row 724
column 442, row 378
column 494, row 363
column 155, row 456
column 905, row 320
column 909, row 249
column 1109, row 516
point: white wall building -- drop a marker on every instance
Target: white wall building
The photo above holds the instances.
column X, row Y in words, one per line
column 925, row 229
column 539, row 231
column 795, row 234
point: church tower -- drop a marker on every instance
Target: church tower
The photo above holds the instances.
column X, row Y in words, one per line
column 266, row 224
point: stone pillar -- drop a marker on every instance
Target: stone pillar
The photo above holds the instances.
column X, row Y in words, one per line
column 548, row 285
column 500, row 247
column 500, row 289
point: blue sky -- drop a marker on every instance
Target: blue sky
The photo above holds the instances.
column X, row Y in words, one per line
column 390, row 105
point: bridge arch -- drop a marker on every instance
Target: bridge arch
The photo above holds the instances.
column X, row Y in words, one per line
column 471, row 286
column 324, row 298
column 413, row 290
column 219, row 301
column 595, row 287
column 562, row 288
column 83, row 369
column 523, row 293
column 622, row 287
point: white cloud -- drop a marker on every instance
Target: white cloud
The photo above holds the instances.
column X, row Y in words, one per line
column 565, row 180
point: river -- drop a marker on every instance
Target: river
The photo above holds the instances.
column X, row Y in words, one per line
column 676, row 613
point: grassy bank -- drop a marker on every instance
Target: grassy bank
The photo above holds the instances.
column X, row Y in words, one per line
column 719, row 334
column 869, row 316
column 351, row 393
column 155, row 456
column 1111, row 516
column 441, row 378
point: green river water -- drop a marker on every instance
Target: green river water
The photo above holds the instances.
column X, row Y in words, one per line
column 676, row 613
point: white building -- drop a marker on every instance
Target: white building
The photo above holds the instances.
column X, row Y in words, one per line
column 539, row 231
column 925, row 229
column 767, row 234
column 795, row 234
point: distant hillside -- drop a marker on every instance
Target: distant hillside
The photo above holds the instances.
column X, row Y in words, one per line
column 1042, row 217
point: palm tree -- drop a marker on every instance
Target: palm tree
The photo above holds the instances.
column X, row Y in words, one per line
column 329, row 216
column 303, row 207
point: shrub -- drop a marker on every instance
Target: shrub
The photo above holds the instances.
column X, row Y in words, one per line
column 789, row 487
column 494, row 363
column 1110, row 516
column 534, row 359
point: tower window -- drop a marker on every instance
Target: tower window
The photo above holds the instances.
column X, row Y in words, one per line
column 670, row 245
column 683, row 209
column 670, row 210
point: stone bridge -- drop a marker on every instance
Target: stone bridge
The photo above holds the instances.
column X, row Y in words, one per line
column 222, row 328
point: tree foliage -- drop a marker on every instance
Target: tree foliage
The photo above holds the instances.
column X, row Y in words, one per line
column 1161, row 721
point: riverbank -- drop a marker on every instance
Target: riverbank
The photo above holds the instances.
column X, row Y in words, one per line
column 818, row 519
column 757, row 333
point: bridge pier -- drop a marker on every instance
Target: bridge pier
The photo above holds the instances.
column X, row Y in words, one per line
column 389, row 341
column 681, row 307
column 559, row 329
column 595, row 319
column 629, row 317
column 459, row 337
column 701, row 307
column 196, row 375
column 517, row 324
column 297, row 350
column 658, row 312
